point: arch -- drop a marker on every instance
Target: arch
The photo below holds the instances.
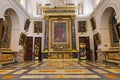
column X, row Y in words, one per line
column 14, row 26
column 113, row 6
column 106, row 16
column 108, row 21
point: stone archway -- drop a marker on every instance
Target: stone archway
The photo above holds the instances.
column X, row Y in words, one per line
column 13, row 22
column 106, row 27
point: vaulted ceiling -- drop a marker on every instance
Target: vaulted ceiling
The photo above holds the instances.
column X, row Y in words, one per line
column 83, row 7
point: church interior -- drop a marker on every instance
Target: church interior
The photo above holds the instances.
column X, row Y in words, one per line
column 59, row 39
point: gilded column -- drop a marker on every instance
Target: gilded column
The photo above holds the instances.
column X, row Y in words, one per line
column 73, row 33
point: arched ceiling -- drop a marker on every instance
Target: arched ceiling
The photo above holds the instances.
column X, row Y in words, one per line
column 86, row 6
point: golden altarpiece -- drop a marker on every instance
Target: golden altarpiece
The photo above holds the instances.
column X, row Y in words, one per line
column 59, row 31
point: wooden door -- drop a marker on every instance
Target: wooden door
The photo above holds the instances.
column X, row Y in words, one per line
column 84, row 47
column 28, row 49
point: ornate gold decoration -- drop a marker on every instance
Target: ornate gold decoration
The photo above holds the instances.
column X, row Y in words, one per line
column 65, row 10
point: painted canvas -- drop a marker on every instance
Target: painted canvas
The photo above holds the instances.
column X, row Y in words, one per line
column 60, row 32
column 27, row 23
column 117, row 30
column 81, row 26
column 1, row 29
column 97, row 38
column 93, row 23
column 38, row 27
column 22, row 39
column 6, row 33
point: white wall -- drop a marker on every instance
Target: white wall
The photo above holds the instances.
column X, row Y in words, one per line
column 104, row 29
column 31, row 30
column 18, row 20
column 102, row 23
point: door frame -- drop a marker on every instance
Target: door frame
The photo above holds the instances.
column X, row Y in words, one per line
column 86, row 40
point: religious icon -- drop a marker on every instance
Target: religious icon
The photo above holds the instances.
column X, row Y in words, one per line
column 38, row 27
column 93, row 23
column 117, row 30
column 60, row 32
column 81, row 26
column 27, row 23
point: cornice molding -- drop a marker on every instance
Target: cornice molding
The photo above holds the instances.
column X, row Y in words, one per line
column 97, row 8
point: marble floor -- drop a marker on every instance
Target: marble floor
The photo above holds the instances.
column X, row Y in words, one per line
column 60, row 70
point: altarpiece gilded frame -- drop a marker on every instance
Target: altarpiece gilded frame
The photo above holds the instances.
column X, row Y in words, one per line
column 60, row 38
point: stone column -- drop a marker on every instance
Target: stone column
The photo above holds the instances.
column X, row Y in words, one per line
column 46, row 34
column 73, row 33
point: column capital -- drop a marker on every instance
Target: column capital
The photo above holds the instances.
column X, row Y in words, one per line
column 46, row 17
column 73, row 17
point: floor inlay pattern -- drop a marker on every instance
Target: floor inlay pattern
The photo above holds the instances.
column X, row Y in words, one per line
column 59, row 69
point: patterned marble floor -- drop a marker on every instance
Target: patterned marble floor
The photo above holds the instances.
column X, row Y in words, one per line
column 60, row 70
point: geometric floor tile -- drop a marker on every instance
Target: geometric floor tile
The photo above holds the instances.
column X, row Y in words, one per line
column 59, row 76
column 32, row 76
column 110, row 76
column 5, row 71
column 20, row 71
column 8, row 77
column 83, row 76
column 60, row 71
column 114, row 70
column 100, row 71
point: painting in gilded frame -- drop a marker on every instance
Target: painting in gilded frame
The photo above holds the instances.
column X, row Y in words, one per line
column 60, row 32
column 97, row 38
column 37, row 26
column 6, row 32
column 27, row 24
column 117, row 30
column 22, row 39
column 81, row 26
column 1, row 29
column 93, row 23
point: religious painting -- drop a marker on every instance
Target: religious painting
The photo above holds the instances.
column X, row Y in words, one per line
column 38, row 27
column 81, row 26
column 93, row 23
column 6, row 34
column 113, row 26
column 1, row 29
column 37, row 46
column 117, row 30
column 27, row 23
column 97, row 38
column 60, row 32
column 22, row 39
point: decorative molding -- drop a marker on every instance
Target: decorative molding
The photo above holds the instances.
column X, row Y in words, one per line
column 67, row 10
column 19, row 7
